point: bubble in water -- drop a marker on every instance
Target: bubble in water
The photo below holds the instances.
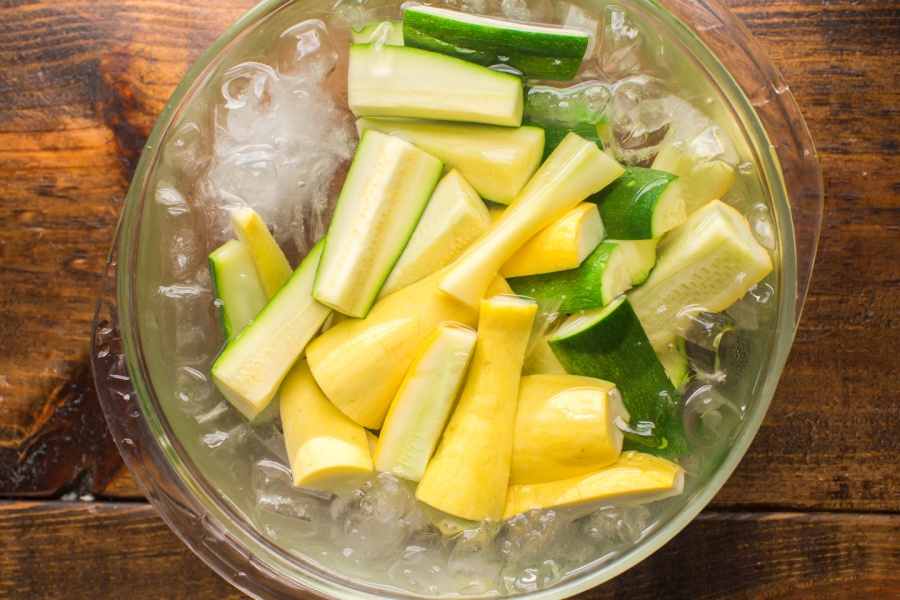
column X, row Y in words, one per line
column 305, row 51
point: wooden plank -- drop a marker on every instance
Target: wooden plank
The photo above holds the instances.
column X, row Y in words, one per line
column 90, row 550
column 83, row 84
column 826, row 443
column 84, row 81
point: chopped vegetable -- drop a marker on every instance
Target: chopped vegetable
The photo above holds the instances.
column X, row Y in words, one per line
column 598, row 281
column 360, row 363
column 272, row 266
column 565, row 426
column 641, row 204
column 385, row 193
column 636, row 478
column 562, row 245
column 496, row 161
column 538, row 51
column 250, row 369
column 575, row 170
column 237, row 286
column 705, row 264
column 454, row 218
column 423, row 403
column 610, row 344
column 395, row 81
column 469, row 473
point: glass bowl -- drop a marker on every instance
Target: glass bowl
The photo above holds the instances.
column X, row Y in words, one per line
column 143, row 318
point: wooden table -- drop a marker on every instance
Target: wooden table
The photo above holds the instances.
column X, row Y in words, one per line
column 814, row 508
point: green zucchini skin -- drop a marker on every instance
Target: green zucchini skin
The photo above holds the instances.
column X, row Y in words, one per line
column 539, row 53
column 579, row 289
column 627, row 205
column 554, row 135
column 615, row 348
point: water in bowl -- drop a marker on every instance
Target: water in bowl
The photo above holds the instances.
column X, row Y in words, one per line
column 269, row 128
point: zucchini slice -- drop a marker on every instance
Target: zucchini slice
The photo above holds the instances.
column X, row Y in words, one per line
column 396, row 81
column 575, row 170
column 423, row 403
column 250, row 369
column 641, row 204
column 601, row 278
column 360, row 363
column 385, row 193
column 454, row 218
column 237, row 286
column 553, row 135
column 538, row 51
column 706, row 264
column 496, row 161
column 610, row 344
column 640, row 257
column 675, row 361
column 562, row 245
column 469, row 473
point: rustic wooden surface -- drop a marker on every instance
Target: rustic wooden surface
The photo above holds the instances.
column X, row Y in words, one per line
column 813, row 508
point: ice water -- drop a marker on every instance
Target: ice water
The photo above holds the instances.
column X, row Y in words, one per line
column 269, row 128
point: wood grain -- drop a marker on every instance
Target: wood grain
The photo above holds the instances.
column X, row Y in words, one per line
column 82, row 83
column 82, row 101
column 91, row 550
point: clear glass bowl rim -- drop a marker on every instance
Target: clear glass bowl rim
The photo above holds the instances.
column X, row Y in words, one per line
column 229, row 545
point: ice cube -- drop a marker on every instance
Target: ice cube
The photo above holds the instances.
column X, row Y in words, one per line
column 244, row 110
column 185, row 316
column 306, row 51
column 522, row 10
column 184, row 254
column 274, row 492
column 247, row 176
column 377, row 520
column 619, row 51
column 643, row 114
column 193, row 391
column 476, row 560
column 476, row 7
column 709, row 419
column 615, row 528
column 187, row 151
